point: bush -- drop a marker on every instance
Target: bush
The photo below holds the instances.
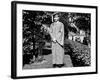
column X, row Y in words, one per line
column 80, row 54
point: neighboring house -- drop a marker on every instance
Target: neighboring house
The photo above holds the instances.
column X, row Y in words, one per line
column 82, row 35
column 77, row 37
column 71, row 35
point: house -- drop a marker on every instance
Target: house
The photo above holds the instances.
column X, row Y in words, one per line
column 77, row 36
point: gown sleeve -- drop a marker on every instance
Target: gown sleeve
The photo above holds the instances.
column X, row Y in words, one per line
column 51, row 31
column 61, row 35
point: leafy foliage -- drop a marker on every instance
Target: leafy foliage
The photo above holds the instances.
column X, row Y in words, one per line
column 80, row 54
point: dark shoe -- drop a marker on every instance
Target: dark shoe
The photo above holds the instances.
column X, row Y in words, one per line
column 60, row 65
column 54, row 65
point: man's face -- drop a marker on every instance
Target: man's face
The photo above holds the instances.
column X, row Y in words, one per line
column 56, row 18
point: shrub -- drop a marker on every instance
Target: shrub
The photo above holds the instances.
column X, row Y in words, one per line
column 80, row 54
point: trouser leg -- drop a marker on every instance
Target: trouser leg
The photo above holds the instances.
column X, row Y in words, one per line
column 53, row 53
column 59, row 54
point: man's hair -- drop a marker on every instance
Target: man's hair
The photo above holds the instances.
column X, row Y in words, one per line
column 57, row 15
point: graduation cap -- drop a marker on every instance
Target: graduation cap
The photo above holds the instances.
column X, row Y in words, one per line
column 57, row 14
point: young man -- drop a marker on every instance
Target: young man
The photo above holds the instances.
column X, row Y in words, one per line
column 57, row 34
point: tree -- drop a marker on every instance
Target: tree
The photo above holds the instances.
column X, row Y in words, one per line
column 33, row 37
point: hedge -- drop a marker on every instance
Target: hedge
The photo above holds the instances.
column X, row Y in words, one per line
column 79, row 53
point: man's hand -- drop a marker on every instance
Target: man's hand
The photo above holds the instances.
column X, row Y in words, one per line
column 54, row 40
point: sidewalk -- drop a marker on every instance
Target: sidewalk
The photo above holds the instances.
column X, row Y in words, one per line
column 47, row 63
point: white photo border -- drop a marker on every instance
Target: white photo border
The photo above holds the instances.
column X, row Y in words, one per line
column 19, row 7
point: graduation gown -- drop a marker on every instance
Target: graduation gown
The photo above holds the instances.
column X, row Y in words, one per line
column 57, row 33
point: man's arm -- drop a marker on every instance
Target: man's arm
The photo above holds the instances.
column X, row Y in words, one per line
column 51, row 33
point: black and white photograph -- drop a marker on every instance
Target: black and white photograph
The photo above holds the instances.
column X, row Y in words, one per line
column 54, row 39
